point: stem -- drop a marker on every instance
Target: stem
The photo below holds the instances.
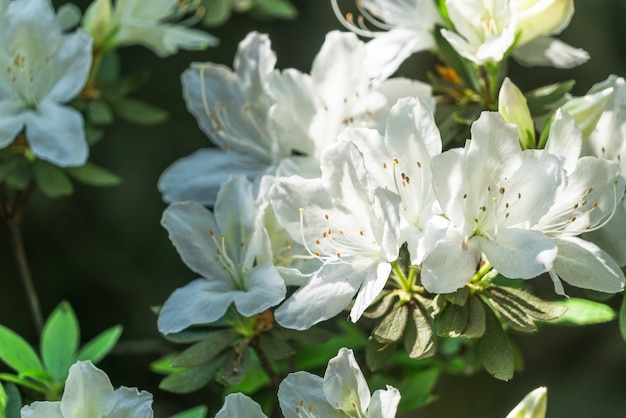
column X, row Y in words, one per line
column 11, row 212
column 265, row 363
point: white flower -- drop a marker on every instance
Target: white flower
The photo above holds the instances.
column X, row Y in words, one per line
column 42, row 69
column 342, row 393
column 145, row 22
column 590, row 196
column 89, row 394
column 232, row 253
column 349, row 225
column 534, row 405
column 401, row 162
column 513, row 108
column 238, row 405
column 487, row 31
column 492, row 193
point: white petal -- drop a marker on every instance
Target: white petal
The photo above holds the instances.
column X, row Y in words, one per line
column 302, row 391
column 611, row 236
column 254, row 61
column 264, row 289
column 199, row 302
column 238, row 405
column 42, row 409
column 550, row 51
column 519, row 253
column 198, row 176
column 585, row 265
column 72, row 63
column 565, row 139
column 88, row 392
column 56, row 134
column 374, row 280
column 384, row 403
column 11, row 122
column 130, row 403
column 344, row 384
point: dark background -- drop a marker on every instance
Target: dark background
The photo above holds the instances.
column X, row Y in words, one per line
column 104, row 251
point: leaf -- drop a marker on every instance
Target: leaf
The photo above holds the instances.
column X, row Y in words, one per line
column 381, row 308
column 463, row 68
column 459, row 297
column 13, row 402
column 512, row 314
column 216, row 12
column 20, row 176
column 314, row 354
column 377, row 354
column 17, row 353
column 96, row 349
column 163, row 365
column 532, row 305
column 205, row 350
column 99, row 113
column 192, row 378
column 475, row 327
column 93, row 175
column 547, row 98
column 197, row 412
column 189, row 335
column 139, row 112
column 416, row 388
column 392, row 326
column 584, row 312
column 268, row 9
column 255, row 377
column 494, row 349
column 234, row 368
column 452, row 320
column 274, row 347
column 622, row 318
column 418, row 337
column 59, row 341
column 51, row 180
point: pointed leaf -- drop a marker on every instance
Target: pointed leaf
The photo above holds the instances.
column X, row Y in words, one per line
column 93, row 175
column 418, row 338
column 96, row 349
column 532, row 305
column 206, row 349
column 51, row 180
column 392, row 326
column 59, row 341
column 382, row 307
column 16, row 353
column 275, row 348
column 139, row 112
column 452, row 320
column 511, row 313
column 192, row 378
column 475, row 327
column 234, row 368
column 584, row 312
column 197, row 412
column 494, row 349
column 377, row 355
column 547, row 98
column 13, row 401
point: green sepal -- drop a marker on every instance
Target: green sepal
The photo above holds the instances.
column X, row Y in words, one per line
column 192, row 378
column 377, row 354
column 418, row 338
column 93, row 175
column 97, row 348
column 392, row 326
column 59, row 341
column 52, row 181
column 197, row 412
column 136, row 111
column 494, row 349
column 205, row 350
column 584, row 312
column 16, row 353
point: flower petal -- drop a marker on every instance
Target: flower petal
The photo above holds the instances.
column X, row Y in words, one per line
column 130, row 403
column 548, row 51
column 264, row 288
column 384, row 403
column 302, row 391
column 42, row 409
column 344, row 384
column 237, row 405
column 88, row 392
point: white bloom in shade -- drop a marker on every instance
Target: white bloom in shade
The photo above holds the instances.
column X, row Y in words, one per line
column 487, row 31
column 492, row 192
column 89, row 394
column 587, row 201
column 42, row 69
column 232, row 253
column 346, row 223
column 400, row 161
column 238, row 405
column 150, row 23
column 402, row 27
column 534, row 405
column 342, row 393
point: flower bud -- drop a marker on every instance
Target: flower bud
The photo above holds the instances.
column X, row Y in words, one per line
column 542, row 18
column 586, row 110
column 97, row 21
column 513, row 108
column 534, row 405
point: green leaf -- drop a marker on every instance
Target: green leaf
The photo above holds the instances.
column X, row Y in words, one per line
column 533, row 306
column 189, row 335
column 275, row 348
column 206, row 349
column 11, row 409
column 512, row 315
column 547, row 98
column 163, row 365
column 59, row 341
column 418, row 337
column 93, row 175
column 392, row 326
column 234, row 368
column 4, row 399
column 452, row 320
column 255, row 377
column 139, row 112
column 494, row 349
column 463, row 68
column 197, row 412
column 51, row 179
column 416, row 388
column 20, row 175
column 216, row 12
column 267, row 9
column 96, row 349
column 584, row 312
column 377, row 354
column 622, row 318
column 99, row 113
column 315, row 355
column 475, row 327
column 192, row 378
column 382, row 307
column 17, row 353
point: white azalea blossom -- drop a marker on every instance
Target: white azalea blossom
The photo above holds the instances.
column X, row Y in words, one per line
column 347, row 224
column 534, row 405
column 150, row 23
column 342, row 393
column 487, row 31
column 231, row 252
column 400, row 161
column 492, row 192
column 42, row 69
column 237, row 405
column 88, row 393
column 588, row 199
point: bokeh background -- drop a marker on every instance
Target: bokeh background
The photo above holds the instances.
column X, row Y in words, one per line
column 104, row 251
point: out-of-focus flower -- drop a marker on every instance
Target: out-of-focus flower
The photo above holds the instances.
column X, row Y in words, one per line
column 534, row 405
column 42, row 68
column 89, row 393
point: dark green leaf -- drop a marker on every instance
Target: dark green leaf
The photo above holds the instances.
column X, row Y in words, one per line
column 416, row 388
column 275, row 348
column 463, row 68
column 622, row 318
column 459, row 297
column 234, row 368
column 532, row 305
column 93, row 134
column 139, row 112
column 377, row 355
column 475, row 327
column 216, row 12
column 418, row 337
column 381, row 308
column 14, row 401
column 392, row 326
column 20, row 175
column 192, row 378
column 452, row 320
column 584, row 312
column 547, row 98
column 59, row 341
column 494, row 349
column 255, row 377
column 268, row 9
column 99, row 113
column 315, row 355
column 207, row 349
column 163, row 365
column 93, row 175
column 96, row 349
column 17, row 353
column 109, row 69
column 512, row 314
column 197, row 412
column 51, row 180
column 189, row 335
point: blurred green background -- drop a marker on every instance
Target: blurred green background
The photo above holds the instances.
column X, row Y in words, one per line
column 105, row 252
